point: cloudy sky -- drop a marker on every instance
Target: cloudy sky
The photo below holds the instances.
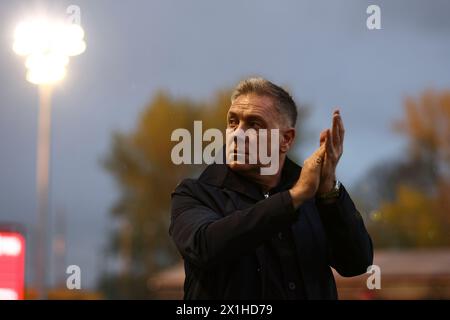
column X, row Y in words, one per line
column 321, row 50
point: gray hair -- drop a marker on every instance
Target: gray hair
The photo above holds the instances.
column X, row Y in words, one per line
column 260, row 86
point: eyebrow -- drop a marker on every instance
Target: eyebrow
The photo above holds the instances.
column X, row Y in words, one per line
column 247, row 104
column 256, row 117
column 231, row 114
column 249, row 117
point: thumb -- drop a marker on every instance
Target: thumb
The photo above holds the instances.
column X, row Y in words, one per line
column 323, row 136
column 318, row 157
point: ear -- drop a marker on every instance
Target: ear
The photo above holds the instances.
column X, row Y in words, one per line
column 286, row 139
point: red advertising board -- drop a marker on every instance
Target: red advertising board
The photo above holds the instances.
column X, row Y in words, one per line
column 12, row 265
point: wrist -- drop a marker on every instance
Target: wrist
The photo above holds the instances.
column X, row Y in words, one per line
column 332, row 195
column 327, row 185
column 298, row 197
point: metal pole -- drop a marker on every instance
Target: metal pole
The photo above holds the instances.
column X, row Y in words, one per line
column 42, row 179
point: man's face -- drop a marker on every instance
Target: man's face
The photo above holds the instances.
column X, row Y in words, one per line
column 256, row 112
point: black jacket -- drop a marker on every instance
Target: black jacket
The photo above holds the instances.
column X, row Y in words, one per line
column 221, row 221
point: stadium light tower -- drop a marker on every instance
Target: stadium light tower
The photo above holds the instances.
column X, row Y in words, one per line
column 47, row 46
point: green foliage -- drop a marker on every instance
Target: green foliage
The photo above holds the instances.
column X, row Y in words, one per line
column 413, row 219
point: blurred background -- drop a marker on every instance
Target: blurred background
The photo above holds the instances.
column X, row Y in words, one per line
column 150, row 67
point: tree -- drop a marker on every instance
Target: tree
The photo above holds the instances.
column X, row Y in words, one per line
column 408, row 199
column 413, row 219
column 427, row 126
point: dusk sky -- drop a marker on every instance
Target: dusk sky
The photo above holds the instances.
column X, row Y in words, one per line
column 321, row 50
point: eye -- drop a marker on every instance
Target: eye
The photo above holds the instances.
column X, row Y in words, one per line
column 254, row 124
column 232, row 122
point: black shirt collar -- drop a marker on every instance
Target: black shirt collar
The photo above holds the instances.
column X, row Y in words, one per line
column 221, row 175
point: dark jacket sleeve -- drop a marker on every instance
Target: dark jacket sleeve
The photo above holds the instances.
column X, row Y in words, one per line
column 205, row 237
column 351, row 250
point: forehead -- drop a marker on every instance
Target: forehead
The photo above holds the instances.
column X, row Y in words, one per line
column 252, row 103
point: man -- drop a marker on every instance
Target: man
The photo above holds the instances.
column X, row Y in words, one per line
column 244, row 235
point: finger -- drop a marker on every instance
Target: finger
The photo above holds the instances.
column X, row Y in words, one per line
column 328, row 145
column 340, row 124
column 328, row 141
column 318, row 155
column 323, row 136
column 320, row 152
column 336, row 130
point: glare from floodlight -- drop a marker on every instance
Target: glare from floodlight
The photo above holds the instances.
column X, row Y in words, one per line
column 47, row 46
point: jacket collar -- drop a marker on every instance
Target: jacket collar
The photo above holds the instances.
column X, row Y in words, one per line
column 221, row 175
